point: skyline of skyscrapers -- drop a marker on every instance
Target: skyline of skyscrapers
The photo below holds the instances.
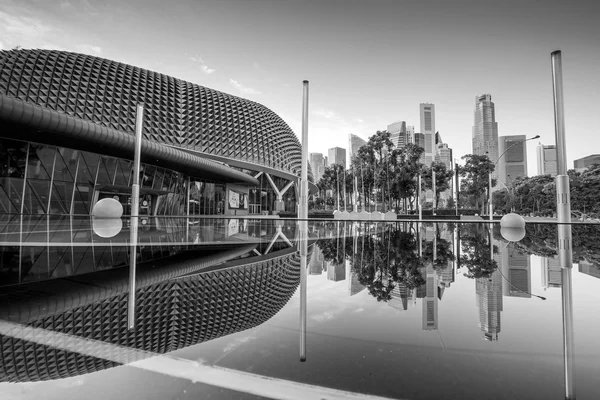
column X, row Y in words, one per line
column 485, row 129
column 317, row 164
column 513, row 161
column 546, row 159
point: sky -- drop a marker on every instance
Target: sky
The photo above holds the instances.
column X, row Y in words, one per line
column 369, row 63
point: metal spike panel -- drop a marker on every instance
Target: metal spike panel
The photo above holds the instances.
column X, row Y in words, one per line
column 170, row 315
column 177, row 112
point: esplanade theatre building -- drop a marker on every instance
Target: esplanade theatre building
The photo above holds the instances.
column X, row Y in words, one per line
column 67, row 135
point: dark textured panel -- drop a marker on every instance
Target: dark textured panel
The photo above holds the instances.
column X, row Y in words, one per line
column 177, row 112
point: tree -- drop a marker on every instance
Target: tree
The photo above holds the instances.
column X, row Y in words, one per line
column 443, row 177
column 475, row 174
column 475, row 251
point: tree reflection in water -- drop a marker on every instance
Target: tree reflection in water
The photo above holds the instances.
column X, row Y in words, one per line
column 475, row 251
column 383, row 256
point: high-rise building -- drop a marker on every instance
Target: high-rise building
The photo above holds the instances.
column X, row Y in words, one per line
column 485, row 129
column 427, row 112
column 444, row 155
column 337, row 155
column 551, row 273
column 513, row 163
column 410, row 133
column 317, row 165
column 489, row 303
column 397, row 131
column 354, row 143
column 516, row 269
column 581, row 164
column 430, row 301
column 419, row 140
column 399, row 295
column 546, row 160
column 316, row 261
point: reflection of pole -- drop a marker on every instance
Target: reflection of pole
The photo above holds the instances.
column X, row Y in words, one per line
column 133, row 228
column 563, row 212
column 303, row 215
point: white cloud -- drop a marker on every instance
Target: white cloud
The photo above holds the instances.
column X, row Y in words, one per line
column 207, row 70
column 89, row 49
column 238, row 342
column 328, row 114
column 203, row 67
column 242, row 88
column 22, row 31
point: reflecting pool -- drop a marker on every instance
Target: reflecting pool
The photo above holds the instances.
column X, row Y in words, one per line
column 406, row 309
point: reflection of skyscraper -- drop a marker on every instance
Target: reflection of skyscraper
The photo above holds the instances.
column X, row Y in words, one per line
column 551, row 273
column 399, row 295
column 589, row 268
column 316, row 261
column 485, row 129
column 354, row 286
column 489, row 303
column 516, row 269
column 336, row 272
column 430, row 302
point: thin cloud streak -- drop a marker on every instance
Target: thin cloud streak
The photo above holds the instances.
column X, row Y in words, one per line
column 242, row 88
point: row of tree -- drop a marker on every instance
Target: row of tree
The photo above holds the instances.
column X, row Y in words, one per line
column 537, row 195
column 381, row 175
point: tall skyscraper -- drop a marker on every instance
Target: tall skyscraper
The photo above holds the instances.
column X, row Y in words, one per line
column 485, row 129
column 546, row 160
column 317, row 164
column 489, row 303
column 513, row 163
column 444, row 155
column 397, row 131
column 410, row 133
column 316, row 261
column 427, row 112
column 337, row 155
column 516, row 269
column 354, row 143
column 419, row 140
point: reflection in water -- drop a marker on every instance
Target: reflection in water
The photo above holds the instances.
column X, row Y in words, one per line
column 240, row 274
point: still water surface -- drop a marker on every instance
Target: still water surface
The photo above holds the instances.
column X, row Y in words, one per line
column 400, row 310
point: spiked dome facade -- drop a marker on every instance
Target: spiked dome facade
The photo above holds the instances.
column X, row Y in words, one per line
column 55, row 97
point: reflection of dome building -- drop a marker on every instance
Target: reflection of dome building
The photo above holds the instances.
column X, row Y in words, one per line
column 67, row 122
column 171, row 314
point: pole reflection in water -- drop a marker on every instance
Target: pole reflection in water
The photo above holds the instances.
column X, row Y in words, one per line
column 566, row 262
column 303, row 223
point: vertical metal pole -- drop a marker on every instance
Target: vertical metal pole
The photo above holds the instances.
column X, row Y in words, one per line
column 490, row 196
column 133, row 229
column 419, row 198
column 433, row 187
column 303, row 216
column 355, row 207
column 563, row 212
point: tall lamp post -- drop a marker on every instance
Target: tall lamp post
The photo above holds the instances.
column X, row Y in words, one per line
column 491, row 208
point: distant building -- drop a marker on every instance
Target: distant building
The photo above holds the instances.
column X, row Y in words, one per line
column 584, row 163
column 397, row 131
column 337, row 155
column 336, row 272
column 427, row 112
column 588, row 268
column 317, row 165
column 410, row 133
column 354, row 143
column 513, row 163
column 551, row 273
column 546, row 160
column 489, row 303
column 485, row 129
column 444, row 155
column 517, row 270
column 419, row 140
column 399, row 295
column 316, row 261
